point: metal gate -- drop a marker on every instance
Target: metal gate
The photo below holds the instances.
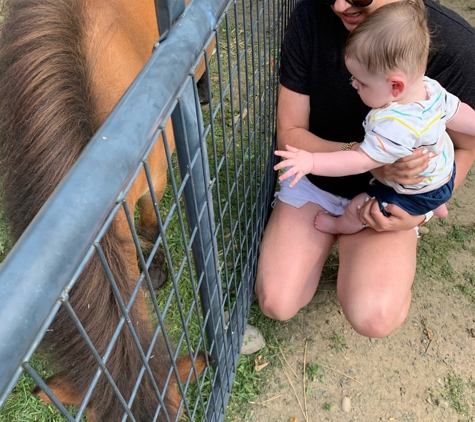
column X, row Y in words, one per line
column 211, row 218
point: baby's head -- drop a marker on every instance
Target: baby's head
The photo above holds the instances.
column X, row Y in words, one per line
column 393, row 40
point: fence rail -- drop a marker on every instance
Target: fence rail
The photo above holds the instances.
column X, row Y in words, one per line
column 211, row 218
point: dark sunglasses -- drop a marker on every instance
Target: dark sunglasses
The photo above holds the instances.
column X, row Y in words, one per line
column 356, row 3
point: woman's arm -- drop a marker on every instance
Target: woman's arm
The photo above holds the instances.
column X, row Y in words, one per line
column 401, row 220
column 464, row 154
column 293, row 113
column 463, row 121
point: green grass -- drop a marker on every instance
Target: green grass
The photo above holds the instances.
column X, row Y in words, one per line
column 455, row 393
column 312, row 370
column 436, row 251
column 337, row 342
column 249, row 384
column 5, row 242
column 22, row 406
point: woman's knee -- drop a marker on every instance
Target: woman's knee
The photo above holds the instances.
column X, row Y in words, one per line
column 276, row 305
column 377, row 320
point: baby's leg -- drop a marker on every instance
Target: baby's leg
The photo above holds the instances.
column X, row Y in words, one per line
column 441, row 211
column 348, row 223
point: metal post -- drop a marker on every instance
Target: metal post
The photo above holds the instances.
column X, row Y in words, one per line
column 194, row 165
column 167, row 11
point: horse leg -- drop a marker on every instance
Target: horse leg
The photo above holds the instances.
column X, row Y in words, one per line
column 65, row 394
column 202, row 76
column 203, row 89
column 148, row 231
column 147, row 226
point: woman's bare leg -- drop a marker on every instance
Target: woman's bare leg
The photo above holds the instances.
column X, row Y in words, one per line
column 375, row 276
column 291, row 260
column 348, row 223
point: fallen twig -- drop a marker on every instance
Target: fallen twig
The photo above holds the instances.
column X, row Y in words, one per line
column 304, row 376
column 288, row 364
column 341, row 373
column 269, row 400
column 293, row 388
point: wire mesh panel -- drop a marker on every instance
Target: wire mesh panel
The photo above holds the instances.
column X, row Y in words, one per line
column 128, row 295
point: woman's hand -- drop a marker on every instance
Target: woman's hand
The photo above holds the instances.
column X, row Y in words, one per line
column 404, row 170
column 399, row 219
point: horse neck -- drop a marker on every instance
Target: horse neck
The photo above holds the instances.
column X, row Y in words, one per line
column 118, row 40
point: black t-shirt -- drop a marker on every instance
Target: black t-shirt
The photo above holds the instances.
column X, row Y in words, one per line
column 312, row 63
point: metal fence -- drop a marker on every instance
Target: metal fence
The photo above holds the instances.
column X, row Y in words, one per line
column 211, row 218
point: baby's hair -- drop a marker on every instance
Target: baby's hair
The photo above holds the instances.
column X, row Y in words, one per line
column 395, row 37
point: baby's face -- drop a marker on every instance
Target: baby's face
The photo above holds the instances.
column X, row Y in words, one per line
column 375, row 91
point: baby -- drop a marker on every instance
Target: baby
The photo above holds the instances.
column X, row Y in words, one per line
column 387, row 55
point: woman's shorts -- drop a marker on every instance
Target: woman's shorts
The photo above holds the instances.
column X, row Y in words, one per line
column 305, row 191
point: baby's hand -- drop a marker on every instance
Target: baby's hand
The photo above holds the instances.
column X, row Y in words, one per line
column 299, row 163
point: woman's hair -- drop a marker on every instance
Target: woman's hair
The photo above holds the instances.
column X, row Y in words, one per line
column 395, row 37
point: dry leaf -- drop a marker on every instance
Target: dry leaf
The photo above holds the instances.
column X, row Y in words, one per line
column 430, row 334
column 259, row 367
column 240, row 116
column 293, row 420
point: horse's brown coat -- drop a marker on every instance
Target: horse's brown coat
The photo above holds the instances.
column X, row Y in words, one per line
column 64, row 64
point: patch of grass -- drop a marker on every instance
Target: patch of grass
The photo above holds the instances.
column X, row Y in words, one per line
column 328, row 406
column 22, row 406
column 312, row 371
column 248, row 383
column 5, row 241
column 466, row 291
column 338, row 343
column 455, row 390
column 469, row 277
column 460, row 233
column 433, row 256
column 434, row 250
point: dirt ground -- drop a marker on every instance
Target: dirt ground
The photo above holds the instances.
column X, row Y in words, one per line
column 425, row 371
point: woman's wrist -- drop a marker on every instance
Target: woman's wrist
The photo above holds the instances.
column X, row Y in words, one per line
column 350, row 146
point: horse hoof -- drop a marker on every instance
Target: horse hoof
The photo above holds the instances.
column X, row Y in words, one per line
column 158, row 272
column 203, row 90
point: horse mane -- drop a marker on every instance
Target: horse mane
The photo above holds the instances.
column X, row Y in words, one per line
column 47, row 117
column 46, row 112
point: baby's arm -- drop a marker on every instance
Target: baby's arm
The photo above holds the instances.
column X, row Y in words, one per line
column 333, row 164
column 464, row 120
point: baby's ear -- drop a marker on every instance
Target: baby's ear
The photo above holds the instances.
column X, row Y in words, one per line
column 398, row 84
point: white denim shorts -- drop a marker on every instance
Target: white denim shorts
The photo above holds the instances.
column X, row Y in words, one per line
column 305, row 191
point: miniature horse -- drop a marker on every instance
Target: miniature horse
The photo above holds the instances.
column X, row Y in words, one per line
column 64, row 64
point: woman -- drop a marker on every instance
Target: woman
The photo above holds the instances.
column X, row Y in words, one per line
column 318, row 110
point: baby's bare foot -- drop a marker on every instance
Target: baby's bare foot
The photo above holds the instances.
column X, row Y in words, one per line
column 325, row 223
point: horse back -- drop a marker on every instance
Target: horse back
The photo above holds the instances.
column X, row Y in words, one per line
column 118, row 40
